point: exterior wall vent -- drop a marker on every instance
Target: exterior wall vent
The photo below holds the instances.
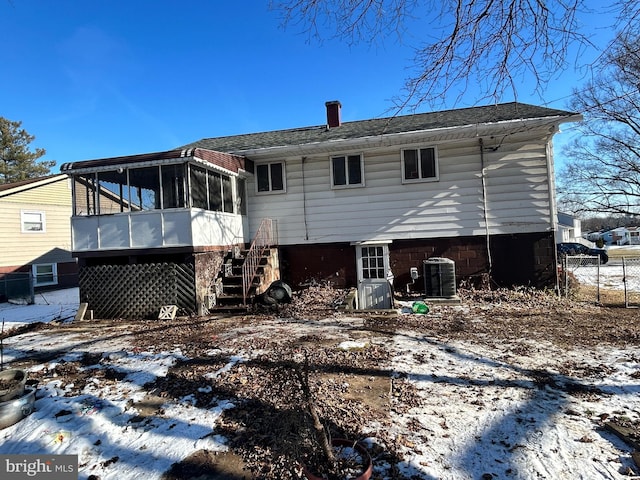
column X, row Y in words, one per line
column 439, row 277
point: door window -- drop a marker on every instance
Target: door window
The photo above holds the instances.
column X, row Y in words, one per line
column 373, row 262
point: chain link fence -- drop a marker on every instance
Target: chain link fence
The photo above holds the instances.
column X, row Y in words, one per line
column 16, row 285
column 616, row 283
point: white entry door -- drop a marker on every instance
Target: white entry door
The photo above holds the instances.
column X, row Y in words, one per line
column 374, row 290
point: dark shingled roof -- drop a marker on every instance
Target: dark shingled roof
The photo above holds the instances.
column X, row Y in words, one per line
column 379, row 126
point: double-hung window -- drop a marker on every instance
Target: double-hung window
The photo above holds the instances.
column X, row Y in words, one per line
column 347, row 171
column 270, row 177
column 419, row 165
column 45, row 274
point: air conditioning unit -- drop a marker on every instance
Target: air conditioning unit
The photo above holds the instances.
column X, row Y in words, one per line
column 439, row 277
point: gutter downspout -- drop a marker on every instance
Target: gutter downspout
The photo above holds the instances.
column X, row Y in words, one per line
column 484, row 208
column 304, row 203
column 553, row 206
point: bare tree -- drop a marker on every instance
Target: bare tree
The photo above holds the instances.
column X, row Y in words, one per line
column 602, row 173
column 488, row 44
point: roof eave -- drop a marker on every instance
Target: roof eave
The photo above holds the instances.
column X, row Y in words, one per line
column 400, row 138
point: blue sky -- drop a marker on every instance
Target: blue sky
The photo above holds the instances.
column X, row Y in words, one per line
column 94, row 79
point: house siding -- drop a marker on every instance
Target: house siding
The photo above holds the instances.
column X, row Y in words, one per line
column 20, row 249
column 51, row 246
column 385, row 209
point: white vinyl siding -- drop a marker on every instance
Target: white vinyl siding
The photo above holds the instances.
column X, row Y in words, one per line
column 517, row 196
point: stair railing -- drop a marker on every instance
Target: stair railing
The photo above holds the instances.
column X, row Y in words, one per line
column 265, row 237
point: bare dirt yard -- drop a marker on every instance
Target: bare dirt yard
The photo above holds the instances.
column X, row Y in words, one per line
column 508, row 384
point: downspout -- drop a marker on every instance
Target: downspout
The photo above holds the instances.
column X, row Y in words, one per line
column 553, row 207
column 304, row 203
column 484, row 208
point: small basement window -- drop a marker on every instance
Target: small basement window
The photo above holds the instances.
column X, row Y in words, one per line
column 45, row 274
column 419, row 165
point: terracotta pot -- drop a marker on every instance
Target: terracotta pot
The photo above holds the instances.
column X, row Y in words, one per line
column 367, row 465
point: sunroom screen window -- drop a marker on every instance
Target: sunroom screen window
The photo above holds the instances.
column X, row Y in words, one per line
column 199, row 188
column 114, row 192
column 172, row 186
column 215, row 192
column 85, row 195
column 227, row 194
column 158, row 187
column 144, row 186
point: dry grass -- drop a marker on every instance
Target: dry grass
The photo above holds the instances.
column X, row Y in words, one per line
column 623, row 252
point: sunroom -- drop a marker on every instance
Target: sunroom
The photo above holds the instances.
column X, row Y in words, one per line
column 153, row 230
column 183, row 198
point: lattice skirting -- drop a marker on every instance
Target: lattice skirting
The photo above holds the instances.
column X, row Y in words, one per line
column 139, row 290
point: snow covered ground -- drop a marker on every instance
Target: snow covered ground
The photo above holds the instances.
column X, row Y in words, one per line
column 491, row 410
column 612, row 275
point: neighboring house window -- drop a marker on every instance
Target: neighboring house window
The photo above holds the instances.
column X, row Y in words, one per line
column 33, row 222
column 347, row 171
column 270, row 177
column 45, row 274
column 419, row 165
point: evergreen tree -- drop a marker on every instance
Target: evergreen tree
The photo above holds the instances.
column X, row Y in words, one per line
column 17, row 160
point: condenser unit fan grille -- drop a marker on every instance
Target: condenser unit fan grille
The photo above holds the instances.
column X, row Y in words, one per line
column 439, row 277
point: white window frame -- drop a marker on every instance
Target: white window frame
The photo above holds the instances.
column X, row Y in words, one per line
column 284, row 179
column 346, row 161
column 420, row 178
column 24, row 214
column 54, row 273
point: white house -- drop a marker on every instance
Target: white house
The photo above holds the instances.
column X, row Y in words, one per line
column 569, row 228
column 355, row 203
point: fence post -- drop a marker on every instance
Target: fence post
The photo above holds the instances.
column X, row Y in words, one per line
column 32, row 289
column 624, row 282
column 565, row 265
column 598, row 281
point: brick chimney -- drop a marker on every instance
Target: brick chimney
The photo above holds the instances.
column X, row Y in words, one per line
column 333, row 113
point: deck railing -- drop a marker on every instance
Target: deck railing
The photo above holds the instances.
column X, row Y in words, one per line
column 265, row 237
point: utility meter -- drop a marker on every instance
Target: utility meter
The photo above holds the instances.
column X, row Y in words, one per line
column 414, row 272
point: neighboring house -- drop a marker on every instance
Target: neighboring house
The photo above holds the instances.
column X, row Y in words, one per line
column 355, row 203
column 616, row 236
column 35, row 232
column 569, row 229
